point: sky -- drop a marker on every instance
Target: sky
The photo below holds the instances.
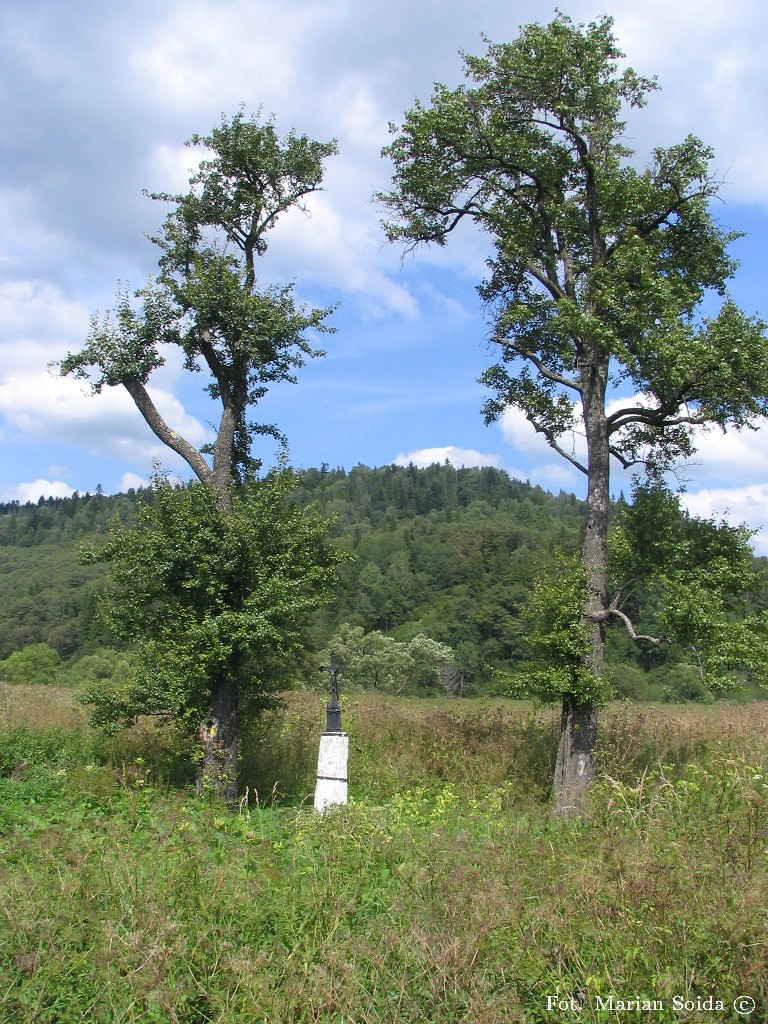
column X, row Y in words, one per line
column 96, row 101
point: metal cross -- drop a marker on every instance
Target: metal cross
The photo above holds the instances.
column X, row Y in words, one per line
column 333, row 708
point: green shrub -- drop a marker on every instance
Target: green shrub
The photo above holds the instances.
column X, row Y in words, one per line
column 23, row 750
column 38, row 664
column 630, row 682
column 684, row 683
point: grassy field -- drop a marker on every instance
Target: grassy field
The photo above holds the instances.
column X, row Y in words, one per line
column 444, row 893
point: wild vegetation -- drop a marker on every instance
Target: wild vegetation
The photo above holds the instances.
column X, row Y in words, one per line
column 452, row 554
column 444, row 892
column 208, row 302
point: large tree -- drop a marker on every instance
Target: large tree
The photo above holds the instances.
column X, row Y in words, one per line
column 216, row 603
column 596, row 283
column 242, row 334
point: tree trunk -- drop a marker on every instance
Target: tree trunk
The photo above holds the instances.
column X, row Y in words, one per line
column 218, row 735
column 575, row 768
column 160, row 428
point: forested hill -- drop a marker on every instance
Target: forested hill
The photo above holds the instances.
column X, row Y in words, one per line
column 450, row 553
column 443, row 551
column 46, row 596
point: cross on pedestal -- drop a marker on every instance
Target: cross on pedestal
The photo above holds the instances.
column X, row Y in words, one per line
column 333, row 707
column 332, row 779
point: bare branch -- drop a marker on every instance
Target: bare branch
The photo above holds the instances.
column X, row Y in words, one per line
column 631, row 629
column 625, row 462
column 543, row 369
column 552, row 286
column 560, row 451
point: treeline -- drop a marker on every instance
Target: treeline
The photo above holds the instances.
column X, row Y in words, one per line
column 443, row 551
column 449, row 553
column 46, row 595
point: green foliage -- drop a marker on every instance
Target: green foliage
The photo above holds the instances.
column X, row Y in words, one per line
column 599, row 273
column 206, row 300
column 207, row 303
column 102, row 664
column 128, row 343
column 379, row 662
column 452, row 554
column 209, row 596
column 697, row 581
column 34, row 665
column 451, row 896
column 630, row 682
column 596, row 260
column 558, row 638
column 45, row 595
column 445, row 552
column 684, row 683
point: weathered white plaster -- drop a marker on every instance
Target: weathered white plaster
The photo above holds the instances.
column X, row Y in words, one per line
column 332, row 786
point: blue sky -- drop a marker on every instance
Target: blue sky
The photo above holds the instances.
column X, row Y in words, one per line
column 97, row 100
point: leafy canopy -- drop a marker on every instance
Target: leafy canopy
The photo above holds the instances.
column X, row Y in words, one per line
column 690, row 580
column 599, row 267
column 377, row 661
column 696, row 580
column 557, row 638
column 206, row 298
column 209, row 596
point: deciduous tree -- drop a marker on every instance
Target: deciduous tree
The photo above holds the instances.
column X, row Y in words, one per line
column 379, row 662
column 207, row 299
column 696, row 581
column 242, row 334
column 596, row 283
column 215, row 601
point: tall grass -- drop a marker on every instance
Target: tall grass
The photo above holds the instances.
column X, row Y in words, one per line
column 444, row 893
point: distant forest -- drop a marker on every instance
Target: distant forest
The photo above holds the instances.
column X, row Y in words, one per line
column 451, row 553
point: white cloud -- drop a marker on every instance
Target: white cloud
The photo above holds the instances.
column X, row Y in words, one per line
column 458, row 457
column 39, row 322
column 720, row 479
column 200, row 50
column 737, row 505
column 710, row 61
column 358, row 113
column 36, row 489
column 42, row 405
column 339, row 245
column 728, row 462
column 35, row 319
column 112, row 93
column 736, row 456
column 131, row 480
column 546, row 468
column 173, row 165
column 517, row 431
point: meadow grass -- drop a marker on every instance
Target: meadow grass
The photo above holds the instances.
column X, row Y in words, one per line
column 444, row 893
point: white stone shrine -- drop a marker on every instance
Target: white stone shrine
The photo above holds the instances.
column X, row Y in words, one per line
column 332, row 782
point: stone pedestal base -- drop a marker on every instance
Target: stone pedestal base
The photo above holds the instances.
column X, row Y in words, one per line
column 332, row 782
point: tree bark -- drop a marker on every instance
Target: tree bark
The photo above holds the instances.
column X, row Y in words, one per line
column 218, row 735
column 575, row 766
column 160, row 428
column 595, row 547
